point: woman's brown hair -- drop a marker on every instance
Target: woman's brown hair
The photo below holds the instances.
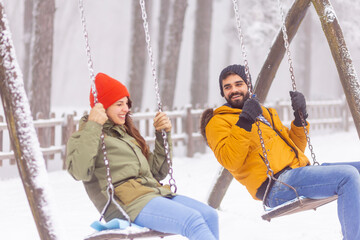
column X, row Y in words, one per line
column 134, row 132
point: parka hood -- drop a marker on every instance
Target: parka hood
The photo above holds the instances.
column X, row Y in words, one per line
column 204, row 120
column 210, row 112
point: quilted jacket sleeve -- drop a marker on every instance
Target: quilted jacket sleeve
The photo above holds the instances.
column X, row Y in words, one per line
column 297, row 135
column 229, row 142
column 82, row 150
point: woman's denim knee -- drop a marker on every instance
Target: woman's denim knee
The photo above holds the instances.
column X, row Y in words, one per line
column 210, row 213
column 193, row 224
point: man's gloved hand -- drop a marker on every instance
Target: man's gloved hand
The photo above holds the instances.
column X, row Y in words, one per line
column 298, row 104
column 250, row 111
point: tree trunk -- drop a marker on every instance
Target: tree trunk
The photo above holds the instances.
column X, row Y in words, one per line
column 138, row 56
column 28, row 28
column 303, row 54
column 163, row 19
column 41, row 62
column 26, row 148
column 41, row 56
column 201, row 53
column 341, row 55
column 171, row 53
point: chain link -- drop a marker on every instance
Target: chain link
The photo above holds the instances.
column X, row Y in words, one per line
column 172, row 182
column 110, row 186
column 270, row 172
column 243, row 51
column 88, row 52
column 291, row 69
column 315, row 162
column 287, row 45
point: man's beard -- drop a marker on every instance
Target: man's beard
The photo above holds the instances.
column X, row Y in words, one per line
column 237, row 103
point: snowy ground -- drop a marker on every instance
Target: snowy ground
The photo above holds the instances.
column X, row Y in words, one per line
column 240, row 216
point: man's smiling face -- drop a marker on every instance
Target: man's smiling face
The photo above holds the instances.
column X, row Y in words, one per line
column 235, row 90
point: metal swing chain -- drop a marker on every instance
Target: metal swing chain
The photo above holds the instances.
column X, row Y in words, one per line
column 241, row 38
column 269, row 172
column 88, row 52
column 291, row 69
column 110, row 186
column 172, row 182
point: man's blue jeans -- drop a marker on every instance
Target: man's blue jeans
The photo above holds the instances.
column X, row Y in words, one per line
column 324, row 181
column 180, row 215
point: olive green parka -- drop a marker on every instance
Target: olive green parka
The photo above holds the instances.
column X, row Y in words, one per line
column 135, row 177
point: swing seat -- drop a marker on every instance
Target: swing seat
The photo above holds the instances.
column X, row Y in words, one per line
column 125, row 234
column 296, row 205
column 120, row 229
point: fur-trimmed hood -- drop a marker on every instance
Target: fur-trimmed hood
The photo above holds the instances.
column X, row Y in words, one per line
column 204, row 120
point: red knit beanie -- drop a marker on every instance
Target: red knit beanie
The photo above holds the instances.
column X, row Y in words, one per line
column 109, row 90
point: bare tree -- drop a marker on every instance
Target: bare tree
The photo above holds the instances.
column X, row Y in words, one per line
column 348, row 11
column 41, row 57
column 28, row 27
column 259, row 20
column 163, row 19
column 303, row 56
column 201, row 53
column 172, row 45
column 137, row 55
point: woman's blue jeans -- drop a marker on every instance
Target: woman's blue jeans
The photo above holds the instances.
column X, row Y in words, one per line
column 324, row 181
column 180, row 215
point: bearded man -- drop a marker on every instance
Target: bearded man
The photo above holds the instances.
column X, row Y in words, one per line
column 232, row 132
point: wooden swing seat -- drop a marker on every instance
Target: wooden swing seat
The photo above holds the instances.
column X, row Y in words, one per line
column 295, row 206
column 122, row 234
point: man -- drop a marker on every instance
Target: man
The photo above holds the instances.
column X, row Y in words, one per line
column 232, row 133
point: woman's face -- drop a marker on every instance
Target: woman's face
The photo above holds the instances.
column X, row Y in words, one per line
column 117, row 112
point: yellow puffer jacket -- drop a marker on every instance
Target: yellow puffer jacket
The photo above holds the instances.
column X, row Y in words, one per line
column 240, row 152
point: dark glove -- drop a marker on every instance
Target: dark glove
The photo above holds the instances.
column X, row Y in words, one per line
column 250, row 111
column 298, row 104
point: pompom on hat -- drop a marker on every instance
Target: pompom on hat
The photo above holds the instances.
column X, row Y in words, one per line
column 109, row 90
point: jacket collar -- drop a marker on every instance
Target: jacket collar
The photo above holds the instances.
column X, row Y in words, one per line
column 110, row 127
column 227, row 109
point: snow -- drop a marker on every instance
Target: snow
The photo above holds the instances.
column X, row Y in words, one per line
column 239, row 214
column 329, row 13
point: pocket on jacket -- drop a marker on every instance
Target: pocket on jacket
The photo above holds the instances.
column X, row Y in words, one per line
column 131, row 190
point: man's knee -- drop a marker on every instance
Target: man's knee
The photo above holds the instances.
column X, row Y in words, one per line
column 350, row 177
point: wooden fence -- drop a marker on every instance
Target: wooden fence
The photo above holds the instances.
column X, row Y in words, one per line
column 53, row 133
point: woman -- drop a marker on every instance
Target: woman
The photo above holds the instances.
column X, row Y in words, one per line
column 135, row 170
